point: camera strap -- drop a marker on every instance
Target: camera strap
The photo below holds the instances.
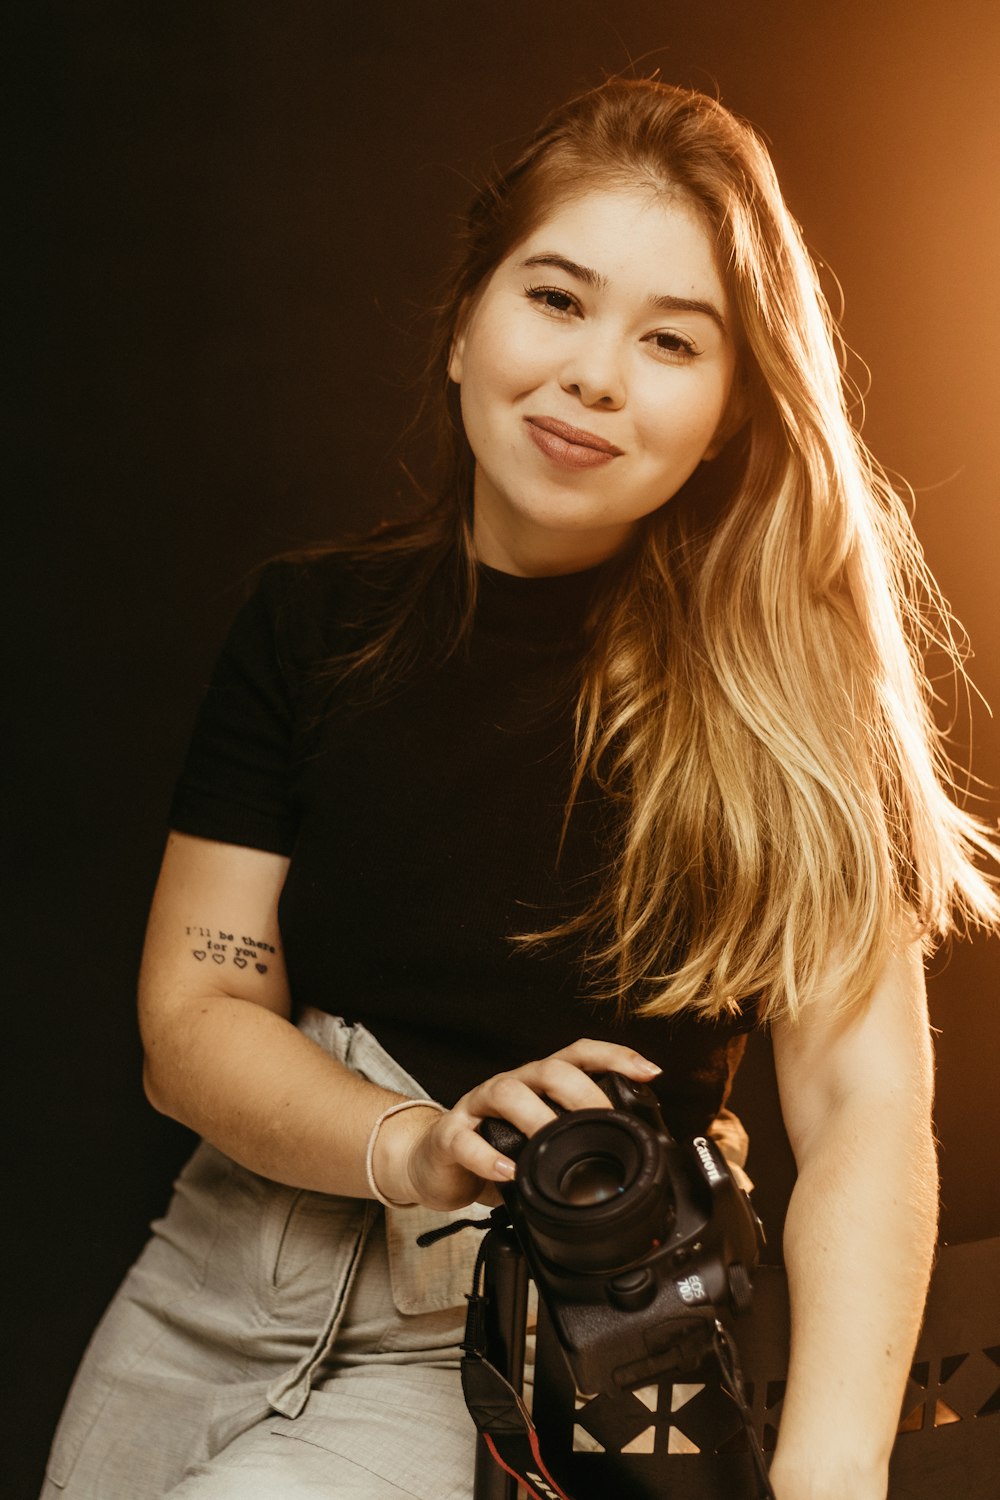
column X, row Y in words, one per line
column 497, row 1409
column 732, row 1382
column 499, row 1412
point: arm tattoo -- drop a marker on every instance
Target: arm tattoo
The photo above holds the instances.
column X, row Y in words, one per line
column 224, row 947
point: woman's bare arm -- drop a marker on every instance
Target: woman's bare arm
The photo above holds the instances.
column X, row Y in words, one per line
column 220, row 1053
column 222, row 1056
column 860, row 1233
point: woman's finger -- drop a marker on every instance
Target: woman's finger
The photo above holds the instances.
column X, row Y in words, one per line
column 452, row 1161
column 609, row 1057
column 523, row 1096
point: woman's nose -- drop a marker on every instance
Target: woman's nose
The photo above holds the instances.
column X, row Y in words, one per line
column 594, row 374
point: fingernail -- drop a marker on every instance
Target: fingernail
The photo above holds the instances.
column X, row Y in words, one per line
column 649, row 1068
column 504, row 1167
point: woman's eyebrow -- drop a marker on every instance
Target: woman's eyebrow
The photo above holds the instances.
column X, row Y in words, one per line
column 582, row 273
column 662, row 303
column 669, row 303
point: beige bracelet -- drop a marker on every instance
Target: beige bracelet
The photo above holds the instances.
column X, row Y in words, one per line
column 394, row 1109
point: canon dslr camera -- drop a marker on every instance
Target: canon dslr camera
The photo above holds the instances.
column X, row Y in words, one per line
column 637, row 1243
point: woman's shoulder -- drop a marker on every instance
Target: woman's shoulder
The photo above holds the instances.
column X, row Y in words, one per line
column 291, row 607
column 323, row 603
column 304, row 584
column 336, row 578
column 310, row 592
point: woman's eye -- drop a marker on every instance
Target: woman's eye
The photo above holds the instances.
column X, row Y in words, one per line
column 551, row 298
column 674, row 345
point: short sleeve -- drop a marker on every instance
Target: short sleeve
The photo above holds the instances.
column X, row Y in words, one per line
column 237, row 784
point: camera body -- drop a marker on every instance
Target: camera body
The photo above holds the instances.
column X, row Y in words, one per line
column 637, row 1243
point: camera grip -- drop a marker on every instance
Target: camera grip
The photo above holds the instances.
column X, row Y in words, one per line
column 503, row 1137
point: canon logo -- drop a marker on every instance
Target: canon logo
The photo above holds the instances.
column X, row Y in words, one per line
column 707, row 1159
column 540, row 1484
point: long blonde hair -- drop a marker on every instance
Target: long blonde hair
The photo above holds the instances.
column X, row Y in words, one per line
column 754, row 698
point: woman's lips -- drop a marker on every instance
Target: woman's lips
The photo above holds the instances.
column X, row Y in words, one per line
column 571, row 446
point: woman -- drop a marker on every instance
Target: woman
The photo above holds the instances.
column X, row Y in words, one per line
column 621, row 747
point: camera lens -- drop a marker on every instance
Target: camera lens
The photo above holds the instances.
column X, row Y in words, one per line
column 592, row 1179
column 594, row 1188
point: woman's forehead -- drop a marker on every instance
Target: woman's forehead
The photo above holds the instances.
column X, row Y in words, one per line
column 611, row 232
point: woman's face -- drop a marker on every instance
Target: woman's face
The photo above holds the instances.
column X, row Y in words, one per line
column 595, row 368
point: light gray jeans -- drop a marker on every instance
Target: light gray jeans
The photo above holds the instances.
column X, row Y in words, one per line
column 276, row 1344
column 272, row 1344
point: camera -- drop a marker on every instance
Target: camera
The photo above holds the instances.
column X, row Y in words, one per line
column 637, row 1243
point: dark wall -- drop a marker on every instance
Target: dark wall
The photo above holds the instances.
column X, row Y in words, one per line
column 229, row 220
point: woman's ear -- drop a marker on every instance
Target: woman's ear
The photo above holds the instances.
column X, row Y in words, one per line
column 455, row 356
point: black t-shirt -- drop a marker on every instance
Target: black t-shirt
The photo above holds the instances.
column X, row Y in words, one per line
column 426, row 830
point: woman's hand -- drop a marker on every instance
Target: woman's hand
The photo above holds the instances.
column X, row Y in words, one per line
column 441, row 1160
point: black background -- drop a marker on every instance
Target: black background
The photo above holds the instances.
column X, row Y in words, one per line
column 228, row 220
